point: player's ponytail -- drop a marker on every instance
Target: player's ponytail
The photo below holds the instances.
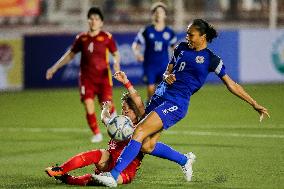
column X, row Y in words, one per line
column 205, row 28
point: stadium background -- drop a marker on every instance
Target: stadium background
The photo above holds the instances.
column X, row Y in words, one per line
column 42, row 122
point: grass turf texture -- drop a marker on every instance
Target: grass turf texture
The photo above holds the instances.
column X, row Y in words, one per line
column 39, row 128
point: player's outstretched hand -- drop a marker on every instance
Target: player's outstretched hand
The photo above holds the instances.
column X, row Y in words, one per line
column 105, row 115
column 120, row 76
column 107, row 105
column 262, row 111
column 170, row 79
column 49, row 73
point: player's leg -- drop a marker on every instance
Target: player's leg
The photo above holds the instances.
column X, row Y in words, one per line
column 92, row 120
column 103, row 164
column 85, row 180
column 161, row 150
column 149, row 143
column 163, row 116
column 149, row 80
column 80, row 160
column 153, row 147
column 171, row 113
column 87, row 92
column 150, row 125
column 108, row 161
column 129, row 173
column 150, row 91
column 154, row 77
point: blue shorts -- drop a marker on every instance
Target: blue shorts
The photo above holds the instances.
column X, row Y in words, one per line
column 153, row 75
column 169, row 112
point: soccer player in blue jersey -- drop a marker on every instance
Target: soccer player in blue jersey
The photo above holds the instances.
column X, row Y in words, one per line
column 186, row 73
column 156, row 39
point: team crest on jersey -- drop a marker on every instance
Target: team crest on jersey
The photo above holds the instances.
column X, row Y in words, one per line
column 166, row 35
column 100, row 38
column 84, row 38
column 151, row 35
column 199, row 59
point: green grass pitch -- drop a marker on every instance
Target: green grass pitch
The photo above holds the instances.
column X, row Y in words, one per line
column 39, row 128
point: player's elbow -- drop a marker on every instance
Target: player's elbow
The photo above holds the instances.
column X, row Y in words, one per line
column 234, row 88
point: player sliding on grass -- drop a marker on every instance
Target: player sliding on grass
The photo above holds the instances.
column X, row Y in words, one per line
column 104, row 160
column 186, row 73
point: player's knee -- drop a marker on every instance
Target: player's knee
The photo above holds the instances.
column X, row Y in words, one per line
column 139, row 133
column 147, row 147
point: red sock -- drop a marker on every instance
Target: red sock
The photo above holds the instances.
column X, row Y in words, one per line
column 80, row 180
column 92, row 121
column 82, row 160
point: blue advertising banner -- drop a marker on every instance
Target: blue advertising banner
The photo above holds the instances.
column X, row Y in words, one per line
column 42, row 51
column 226, row 46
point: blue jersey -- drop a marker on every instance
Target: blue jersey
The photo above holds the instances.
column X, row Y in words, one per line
column 191, row 69
column 156, row 43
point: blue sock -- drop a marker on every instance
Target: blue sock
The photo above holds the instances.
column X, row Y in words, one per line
column 128, row 155
column 166, row 152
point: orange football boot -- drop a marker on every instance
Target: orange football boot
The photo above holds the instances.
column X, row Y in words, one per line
column 54, row 171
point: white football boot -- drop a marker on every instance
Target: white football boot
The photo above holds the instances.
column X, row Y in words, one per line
column 105, row 179
column 187, row 168
column 97, row 138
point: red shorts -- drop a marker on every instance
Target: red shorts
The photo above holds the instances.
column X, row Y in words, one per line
column 89, row 89
column 127, row 174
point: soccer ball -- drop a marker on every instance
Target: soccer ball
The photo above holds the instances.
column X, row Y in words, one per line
column 120, row 128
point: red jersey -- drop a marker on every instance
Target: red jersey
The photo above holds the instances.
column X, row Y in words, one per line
column 116, row 147
column 94, row 50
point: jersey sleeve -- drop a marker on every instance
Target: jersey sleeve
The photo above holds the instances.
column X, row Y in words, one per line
column 76, row 46
column 112, row 45
column 140, row 37
column 217, row 66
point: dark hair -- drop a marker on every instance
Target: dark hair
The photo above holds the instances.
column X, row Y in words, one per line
column 157, row 5
column 97, row 11
column 126, row 97
column 204, row 28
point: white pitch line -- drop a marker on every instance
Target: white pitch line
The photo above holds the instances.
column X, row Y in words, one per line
column 222, row 134
column 193, row 133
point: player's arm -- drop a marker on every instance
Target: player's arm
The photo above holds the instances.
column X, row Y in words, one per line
column 121, row 77
column 137, row 45
column 238, row 90
column 105, row 115
column 65, row 59
column 136, row 48
column 116, row 60
column 173, row 42
column 168, row 76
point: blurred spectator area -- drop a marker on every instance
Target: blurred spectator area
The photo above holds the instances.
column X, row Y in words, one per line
column 130, row 15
